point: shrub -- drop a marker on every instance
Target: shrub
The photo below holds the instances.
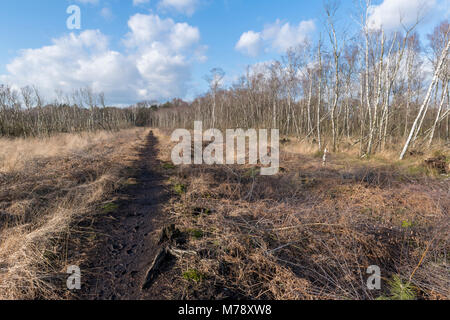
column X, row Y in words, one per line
column 399, row 290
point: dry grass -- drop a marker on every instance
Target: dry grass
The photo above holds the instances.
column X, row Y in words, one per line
column 310, row 232
column 17, row 153
column 46, row 186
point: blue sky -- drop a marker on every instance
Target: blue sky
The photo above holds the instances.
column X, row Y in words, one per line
column 158, row 49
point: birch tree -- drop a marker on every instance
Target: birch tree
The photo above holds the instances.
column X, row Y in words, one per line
column 426, row 101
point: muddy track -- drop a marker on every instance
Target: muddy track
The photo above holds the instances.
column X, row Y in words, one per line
column 129, row 237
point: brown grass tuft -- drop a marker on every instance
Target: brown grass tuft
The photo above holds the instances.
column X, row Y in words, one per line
column 46, row 186
column 311, row 231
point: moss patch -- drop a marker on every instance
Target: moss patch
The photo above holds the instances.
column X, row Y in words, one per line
column 193, row 275
column 110, row 207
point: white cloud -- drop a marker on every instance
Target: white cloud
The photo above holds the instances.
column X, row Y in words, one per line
column 285, row 36
column 250, row 43
column 157, row 64
column 391, row 14
column 277, row 36
column 151, row 29
column 187, row 7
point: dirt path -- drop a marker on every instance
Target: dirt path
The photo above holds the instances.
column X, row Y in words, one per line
column 129, row 237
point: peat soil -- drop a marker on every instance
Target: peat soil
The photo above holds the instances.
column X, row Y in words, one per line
column 127, row 240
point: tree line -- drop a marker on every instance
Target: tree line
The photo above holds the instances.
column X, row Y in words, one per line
column 24, row 113
column 374, row 89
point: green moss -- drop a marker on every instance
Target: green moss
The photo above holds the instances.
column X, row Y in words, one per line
column 216, row 243
column 406, row 224
column 197, row 234
column 179, row 188
column 110, row 207
column 168, row 166
column 193, row 275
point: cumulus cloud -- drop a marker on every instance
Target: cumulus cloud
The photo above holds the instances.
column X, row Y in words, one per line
column 277, row 36
column 161, row 47
column 285, row 36
column 156, row 65
column 151, row 29
column 250, row 43
column 391, row 14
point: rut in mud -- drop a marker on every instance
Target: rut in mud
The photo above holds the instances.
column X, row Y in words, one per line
column 119, row 263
